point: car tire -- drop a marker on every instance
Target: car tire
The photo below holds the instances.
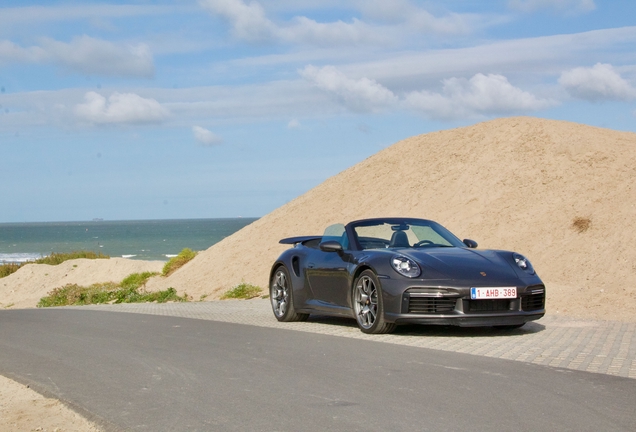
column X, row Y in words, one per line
column 367, row 304
column 281, row 295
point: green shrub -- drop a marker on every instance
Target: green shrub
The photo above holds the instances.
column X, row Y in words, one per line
column 179, row 261
column 53, row 259
column 73, row 294
column 7, row 269
column 59, row 258
column 242, row 291
column 137, row 280
column 127, row 291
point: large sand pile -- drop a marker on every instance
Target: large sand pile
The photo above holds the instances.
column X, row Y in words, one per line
column 31, row 282
column 515, row 183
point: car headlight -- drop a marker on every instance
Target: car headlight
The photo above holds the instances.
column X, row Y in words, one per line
column 523, row 263
column 405, row 266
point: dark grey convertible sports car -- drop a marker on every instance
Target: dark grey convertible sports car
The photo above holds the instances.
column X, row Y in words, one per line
column 391, row 271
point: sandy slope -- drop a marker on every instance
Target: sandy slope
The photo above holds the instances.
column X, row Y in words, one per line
column 28, row 285
column 22, row 409
column 514, row 183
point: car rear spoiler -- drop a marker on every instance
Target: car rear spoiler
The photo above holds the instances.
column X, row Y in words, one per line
column 301, row 239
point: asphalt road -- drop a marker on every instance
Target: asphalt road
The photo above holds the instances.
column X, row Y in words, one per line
column 143, row 372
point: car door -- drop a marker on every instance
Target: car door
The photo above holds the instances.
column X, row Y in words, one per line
column 328, row 273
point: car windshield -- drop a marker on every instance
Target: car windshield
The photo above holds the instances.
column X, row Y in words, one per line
column 412, row 233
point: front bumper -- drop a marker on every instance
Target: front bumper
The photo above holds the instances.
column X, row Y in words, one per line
column 464, row 320
column 451, row 305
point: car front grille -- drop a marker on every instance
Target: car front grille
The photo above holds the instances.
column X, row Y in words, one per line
column 531, row 302
column 431, row 305
column 488, row 305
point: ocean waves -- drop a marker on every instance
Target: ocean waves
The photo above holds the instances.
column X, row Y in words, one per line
column 18, row 258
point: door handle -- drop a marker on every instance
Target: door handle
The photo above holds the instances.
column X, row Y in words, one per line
column 311, row 265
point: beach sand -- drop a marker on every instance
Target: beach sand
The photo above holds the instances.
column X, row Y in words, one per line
column 25, row 288
column 22, row 409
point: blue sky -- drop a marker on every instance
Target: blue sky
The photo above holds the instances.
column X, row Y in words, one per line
column 224, row 108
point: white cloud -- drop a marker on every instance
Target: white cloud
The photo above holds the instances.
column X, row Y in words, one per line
column 568, row 6
column 250, row 23
column 404, row 12
column 460, row 98
column 36, row 14
column 333, row 33
column 293, row 124
column 362, row 95
column 206, row 137
column 84, row 55
column 482, row 94
column 12, row 53
column 600, row 82
column 120, row 108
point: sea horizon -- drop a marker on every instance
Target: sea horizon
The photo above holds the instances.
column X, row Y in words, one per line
column 144, row 239
column 97, row 219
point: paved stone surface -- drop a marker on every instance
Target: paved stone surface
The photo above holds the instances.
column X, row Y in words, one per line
column 607, row 347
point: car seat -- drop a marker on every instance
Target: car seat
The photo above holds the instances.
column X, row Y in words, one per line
column 399, row 239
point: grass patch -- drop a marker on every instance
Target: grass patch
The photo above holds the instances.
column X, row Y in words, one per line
column 53, row 259
column 129, row 290
column 179, row 261
column 7, row 269
column 581, row 224
column 242, row 291
column 59, row 258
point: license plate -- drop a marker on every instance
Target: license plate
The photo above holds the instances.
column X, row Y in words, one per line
column 493, row 293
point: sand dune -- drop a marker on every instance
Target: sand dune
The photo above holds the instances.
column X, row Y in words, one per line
column 515, row 183
column 30, row 283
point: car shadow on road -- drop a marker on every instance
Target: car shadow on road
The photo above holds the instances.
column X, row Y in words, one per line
column 419, row 330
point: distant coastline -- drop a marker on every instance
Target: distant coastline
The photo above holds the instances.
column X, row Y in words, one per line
column 154, row 239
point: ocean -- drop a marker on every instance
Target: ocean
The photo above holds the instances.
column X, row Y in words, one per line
column 138, row 239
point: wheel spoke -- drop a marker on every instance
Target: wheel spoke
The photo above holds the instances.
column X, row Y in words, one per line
column 372, row 314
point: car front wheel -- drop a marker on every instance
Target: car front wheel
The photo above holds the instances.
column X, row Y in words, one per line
column 367, row 304
column 280, row 293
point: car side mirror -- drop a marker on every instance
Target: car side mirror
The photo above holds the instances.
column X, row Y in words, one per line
column 330, row 246
column 470, row 243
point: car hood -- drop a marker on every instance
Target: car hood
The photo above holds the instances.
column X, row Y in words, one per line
column 481, row 266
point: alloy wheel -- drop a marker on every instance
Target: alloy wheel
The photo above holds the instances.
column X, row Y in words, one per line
column 366, row 302
column 279, row 293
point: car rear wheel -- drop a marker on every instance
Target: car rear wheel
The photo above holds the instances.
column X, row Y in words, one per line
column 280, row 293
column 367, row 304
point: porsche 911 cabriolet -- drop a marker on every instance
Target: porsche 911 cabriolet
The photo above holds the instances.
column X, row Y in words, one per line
column 389, row 271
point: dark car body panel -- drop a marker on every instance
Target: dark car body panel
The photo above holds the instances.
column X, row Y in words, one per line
column 322, row 282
